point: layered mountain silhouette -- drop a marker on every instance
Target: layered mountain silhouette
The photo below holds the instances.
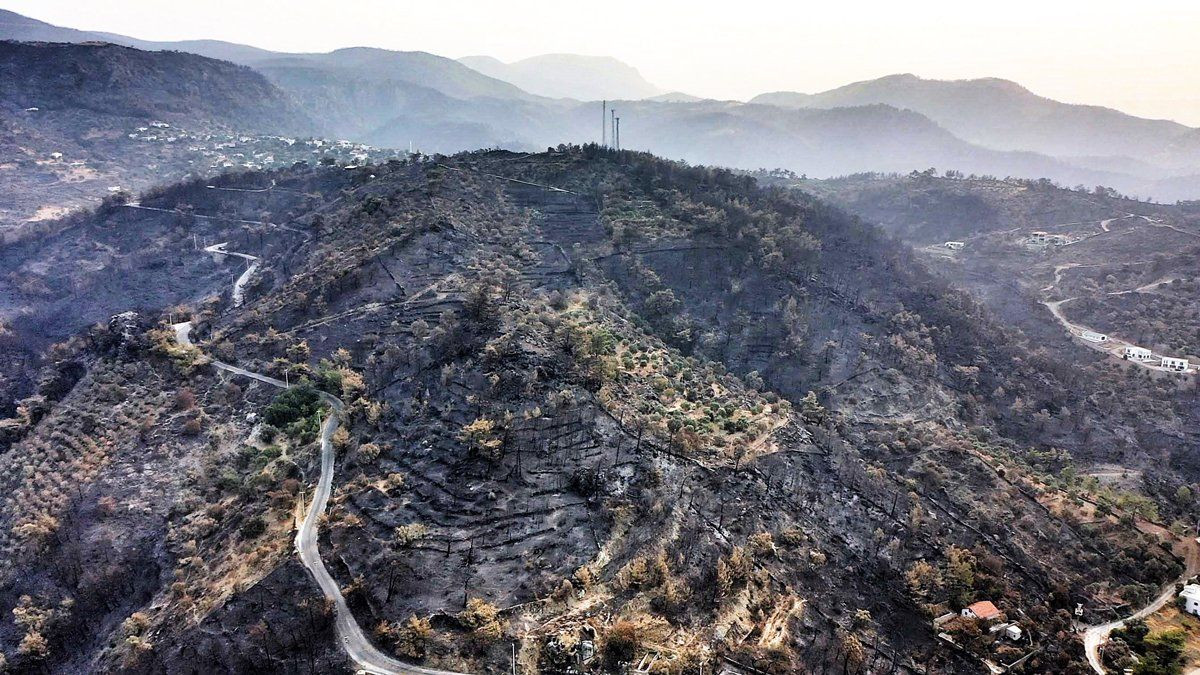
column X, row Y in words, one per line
column 898, row 123
column 1004, row 115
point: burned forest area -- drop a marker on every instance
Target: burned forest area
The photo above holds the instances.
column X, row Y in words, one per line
column 599, row 412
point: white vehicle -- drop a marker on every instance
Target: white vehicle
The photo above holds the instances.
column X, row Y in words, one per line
column 1093, row 336
column 954, row 245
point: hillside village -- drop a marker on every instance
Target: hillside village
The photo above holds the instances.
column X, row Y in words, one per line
column 150, row 151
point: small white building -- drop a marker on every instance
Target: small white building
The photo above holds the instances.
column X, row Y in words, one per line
column 1172, row 363
column 1138, row 353
column 1093, row 336
column 56, row 156
column 1013, row 632
column 954, row 245
column 1046, row 239
column 1191, row 598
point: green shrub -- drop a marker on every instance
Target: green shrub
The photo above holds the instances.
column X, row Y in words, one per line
column 253, row 527
column 295, row 411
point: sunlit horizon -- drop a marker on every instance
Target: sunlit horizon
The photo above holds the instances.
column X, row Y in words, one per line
column 1085, row 53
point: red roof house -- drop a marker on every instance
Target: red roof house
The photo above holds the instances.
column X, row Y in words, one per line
column 983, row 610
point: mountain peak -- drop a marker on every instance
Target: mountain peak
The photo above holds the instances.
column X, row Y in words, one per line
column 576, row 76
column 1000, row 114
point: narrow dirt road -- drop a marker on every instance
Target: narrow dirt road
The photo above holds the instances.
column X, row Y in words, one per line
column 353, row 641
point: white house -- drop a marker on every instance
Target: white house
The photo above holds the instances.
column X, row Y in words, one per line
column 954, row 245
column 1191, row 599
column 1138, row 353
column 1172, row 363
column 1013, row 632
column 1093, row 336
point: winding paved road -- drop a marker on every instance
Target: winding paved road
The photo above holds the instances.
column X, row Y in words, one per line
column 355, row 643
column 1095, row 636
column 239, row 286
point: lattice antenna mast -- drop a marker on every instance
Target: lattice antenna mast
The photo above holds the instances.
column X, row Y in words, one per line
column 604, row 124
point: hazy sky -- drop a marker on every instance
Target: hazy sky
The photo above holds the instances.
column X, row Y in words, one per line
column 1142, row 57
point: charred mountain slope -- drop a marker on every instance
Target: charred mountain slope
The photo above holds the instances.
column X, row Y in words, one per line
column 925, row 208
column 109, row 80
column 575, row 416
column 1123, row 260
column 140, row 257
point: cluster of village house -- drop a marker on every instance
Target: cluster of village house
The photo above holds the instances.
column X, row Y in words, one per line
column 1040, row 238
column 235, row 151
column 1139, row 354
column 261, row 149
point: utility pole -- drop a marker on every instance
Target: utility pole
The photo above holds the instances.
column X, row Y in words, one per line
column 604, row 123
column 618, row 134
column 612, row 115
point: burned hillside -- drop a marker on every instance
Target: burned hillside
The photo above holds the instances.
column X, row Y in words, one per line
column 602, row 407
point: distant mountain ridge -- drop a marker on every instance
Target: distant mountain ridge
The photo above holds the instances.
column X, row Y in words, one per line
column 100, row 79
column 417, row 68
column 1002, row 114
column 583, row 78
column 897, row 124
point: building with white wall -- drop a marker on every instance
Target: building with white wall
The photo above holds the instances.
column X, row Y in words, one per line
column 1190, row 599
column 1172, row 363
column 1135, row 353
